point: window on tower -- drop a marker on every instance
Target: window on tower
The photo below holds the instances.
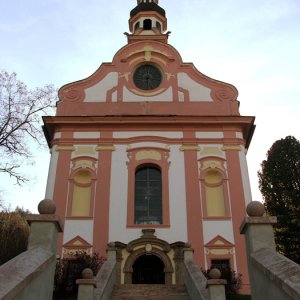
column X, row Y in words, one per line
column 136, row 26
column 158, row 26
column 148, row 196
column 147, row 25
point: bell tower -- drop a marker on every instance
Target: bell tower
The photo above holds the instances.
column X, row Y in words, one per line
column 147, row 22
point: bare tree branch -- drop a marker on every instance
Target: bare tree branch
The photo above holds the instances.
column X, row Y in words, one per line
column 20, row 121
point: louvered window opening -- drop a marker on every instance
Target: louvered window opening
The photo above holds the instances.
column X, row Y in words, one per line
column 148, row 196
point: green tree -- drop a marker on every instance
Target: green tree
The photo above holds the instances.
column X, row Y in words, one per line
column 279, row 183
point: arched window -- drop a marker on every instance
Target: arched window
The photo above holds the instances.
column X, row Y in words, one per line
column 148, row 196
column 158, row 26
column 136, row 26
column 147, row 25
column 214, row 194
column 148, row 188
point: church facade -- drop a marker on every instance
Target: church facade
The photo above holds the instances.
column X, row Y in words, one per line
column 148, row 155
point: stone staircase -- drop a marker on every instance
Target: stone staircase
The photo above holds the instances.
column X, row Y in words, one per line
column 149, row 292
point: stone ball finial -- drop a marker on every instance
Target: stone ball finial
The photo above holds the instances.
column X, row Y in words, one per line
column 215, row 274
column 47, row 207
column 87, row 273
column 255, row 209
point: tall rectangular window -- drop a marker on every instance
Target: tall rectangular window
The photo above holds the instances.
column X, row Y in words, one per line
column 148, row 196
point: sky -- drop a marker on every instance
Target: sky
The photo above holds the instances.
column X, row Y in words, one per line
column 252, row 44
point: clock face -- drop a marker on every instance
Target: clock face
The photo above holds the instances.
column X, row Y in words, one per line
column 147, row 77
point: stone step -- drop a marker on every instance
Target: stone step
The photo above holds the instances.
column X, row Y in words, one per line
column 149, row 292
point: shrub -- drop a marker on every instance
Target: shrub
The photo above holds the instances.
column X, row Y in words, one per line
column 68, row 270
column 234, row 280
column 14, row 233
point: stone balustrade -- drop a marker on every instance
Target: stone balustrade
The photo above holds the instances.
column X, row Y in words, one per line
column 30, row 275
column 272, row 276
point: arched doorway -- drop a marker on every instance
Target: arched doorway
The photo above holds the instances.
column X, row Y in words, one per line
column 148, row 269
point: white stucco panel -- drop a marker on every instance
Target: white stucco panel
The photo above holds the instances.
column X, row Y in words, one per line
column 86, row 135
column 130, row 134
column 83, row 228
column 118, row 200
column 118, row 195
column 197, row 92
column 213, row 228
column 239, row 135
column 114, row 96
column 57, row 135
column 166, row 96
column 97, row 93
column 209, row 135
column 245, row 177
column 51, row 175
column 177, row 198
column 148, row 145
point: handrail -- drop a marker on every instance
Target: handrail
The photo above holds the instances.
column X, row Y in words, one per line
column 105, row 280
column 20, row 272
column 195, row 281
column 280, row 271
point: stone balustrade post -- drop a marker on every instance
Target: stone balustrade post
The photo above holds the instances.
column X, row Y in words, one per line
column 258, row 228
column 188, row 253
column 86, row 285
column 44, row 228
column 259, row 234
column 216, row 285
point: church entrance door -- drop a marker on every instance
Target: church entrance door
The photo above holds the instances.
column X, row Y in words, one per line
column 148, row 269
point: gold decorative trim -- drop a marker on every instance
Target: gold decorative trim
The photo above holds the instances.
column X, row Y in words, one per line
column 148, row 56
column 148, row 154
column 65, row 148
column 106, row 148
column 161, row 60
column 148, row 48
column 125, row 75
column 169, row 75
column 133, row 61
column 85, row 150
column 83, row 164
column 212, row 164
column 189, row 148
column 232, row 148
column 208, row 151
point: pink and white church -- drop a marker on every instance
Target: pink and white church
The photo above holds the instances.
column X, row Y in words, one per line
column 149, row 154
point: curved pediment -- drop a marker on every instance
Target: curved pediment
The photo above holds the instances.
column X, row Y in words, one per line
column 148, row 238
column 182, row 88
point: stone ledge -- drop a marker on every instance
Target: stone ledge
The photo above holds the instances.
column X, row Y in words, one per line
column 216, row 282
column 280, row 270
column 19, row 272
column 195, row 281
column 257, row 221
column 87, row 282
column 44, row 219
